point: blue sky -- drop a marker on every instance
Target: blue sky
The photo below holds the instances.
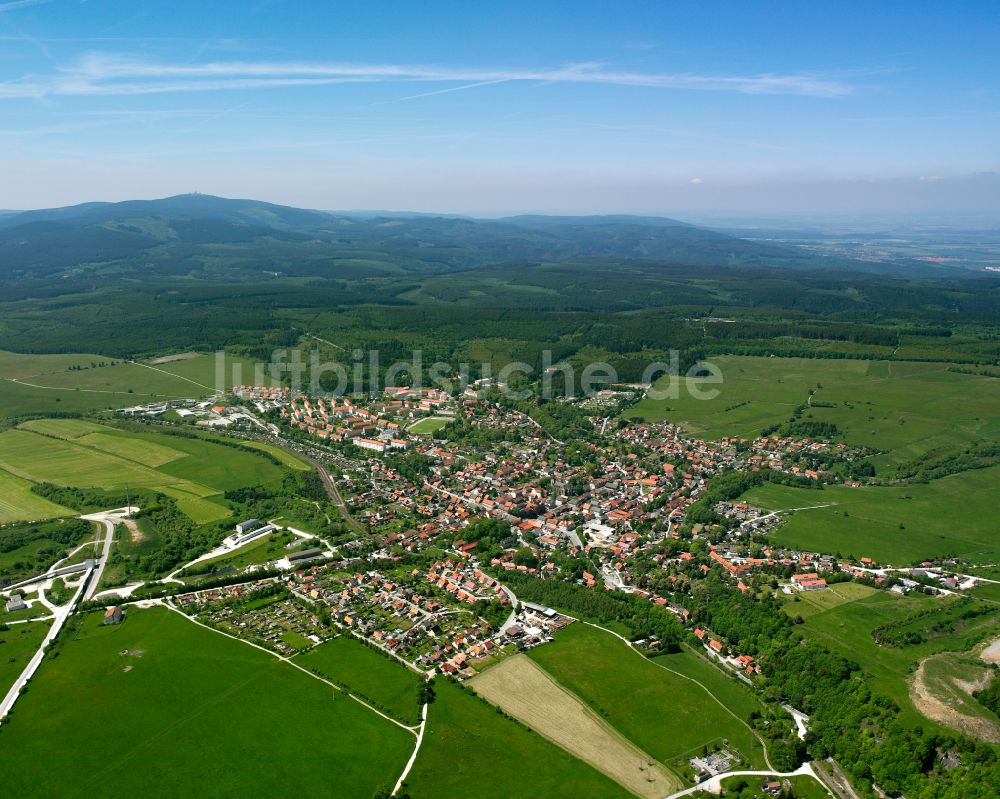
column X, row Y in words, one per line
column 652, row 107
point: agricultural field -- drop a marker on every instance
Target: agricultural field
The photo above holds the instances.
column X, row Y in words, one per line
column 387, row 684
column 901, row 525
column 70, row 452
column 664, row 713
column 18, row 503
column 460, row 756
column 172, row 703
column 17, row 644
column 902, row 408
column 32, row 384
column 522, row 689
column 286, row 457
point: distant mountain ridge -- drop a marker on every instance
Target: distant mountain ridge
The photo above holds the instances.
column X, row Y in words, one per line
column 200, row 236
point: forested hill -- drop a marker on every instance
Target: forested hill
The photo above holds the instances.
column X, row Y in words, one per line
column 201, row 237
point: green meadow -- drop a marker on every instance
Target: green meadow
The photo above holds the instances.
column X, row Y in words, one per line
column 29, row 548
column 82, row 454
column 662, row 713
column 370, row 674
column 469, row 749
column 903, row 408
column 17, row 644
column 951, row 516
column 18, row 503
column 77, row 383
column 846, row 627
column 162, row 708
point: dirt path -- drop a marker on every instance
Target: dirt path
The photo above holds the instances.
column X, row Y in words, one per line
column 522, row 689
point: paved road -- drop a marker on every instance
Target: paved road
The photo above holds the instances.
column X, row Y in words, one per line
column 714, row 784
column 60, row 614
column 109, row 519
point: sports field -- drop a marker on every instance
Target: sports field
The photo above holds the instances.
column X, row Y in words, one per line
column 427, row 426
column 663, row 713
column 906, row 409
column 471, row 750
column 162, row 708
column 952, row 516
column 385, row 683
column 71, row 452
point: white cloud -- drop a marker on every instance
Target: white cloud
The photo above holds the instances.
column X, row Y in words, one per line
column 696, row 181
column 15, row 4
column 102, row 74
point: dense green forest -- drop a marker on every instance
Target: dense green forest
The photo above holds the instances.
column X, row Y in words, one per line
column 206, row 274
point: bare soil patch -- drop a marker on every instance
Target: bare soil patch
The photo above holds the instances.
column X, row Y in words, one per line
column 182, row 356
column 938, row 709
column 134, row 532
column 991, row 654
column 523, row 690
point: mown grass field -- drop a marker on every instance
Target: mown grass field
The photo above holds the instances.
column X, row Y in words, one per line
column 802, row 787
column 666, row 715
column 427, row 426
column 951, row 516
column 471, row 750
column 906, row 409
column 727, row 689
column 811, row 603
column 71, row 452
column 32, row 384
column 18, row 503
column 17, row 645
column 184, row 712
column 369, row 674
column 522, row 689
column 266, row 548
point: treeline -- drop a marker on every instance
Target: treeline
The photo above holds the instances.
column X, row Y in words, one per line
column 65, row 532
column 936, row 620
column 728, row 485
column 172, row 538
column 935, row 465
column 83, row 499
column 848, row 721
